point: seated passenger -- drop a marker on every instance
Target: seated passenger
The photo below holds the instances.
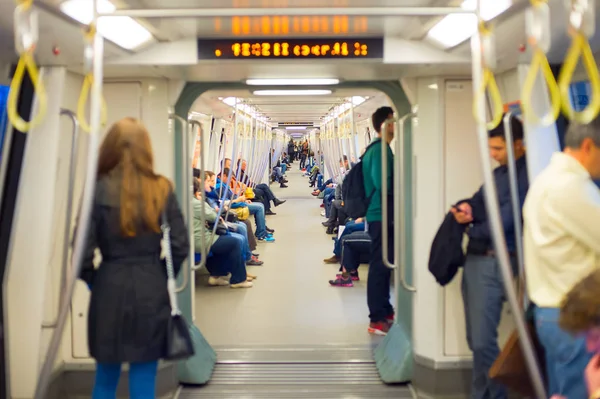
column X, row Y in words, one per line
column 263, row 233
column 213, row 200
column 355, row 249
column 236, row 229
column 351, row 227
column 227, row 252
column 260, row 190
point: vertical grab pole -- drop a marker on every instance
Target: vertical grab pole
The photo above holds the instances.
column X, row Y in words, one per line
column 516, row 204
column 85, row 215
column 354, row 133
column 203, row 248
column 384, row 197
column 400, row 217
column 227, row 184
column 186, row 200
column 68, row 214
column 493, row 211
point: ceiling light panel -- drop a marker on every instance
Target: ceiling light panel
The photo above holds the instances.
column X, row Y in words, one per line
column 292, row 82
column 123, row 31
column 454, row 29
column 291, row 92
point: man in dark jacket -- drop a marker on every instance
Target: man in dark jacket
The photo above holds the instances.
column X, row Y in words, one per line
column 482, row 286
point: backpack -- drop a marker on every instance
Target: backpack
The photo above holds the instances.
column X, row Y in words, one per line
column 356, row 201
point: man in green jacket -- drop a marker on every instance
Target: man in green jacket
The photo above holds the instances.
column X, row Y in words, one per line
column 381, row 312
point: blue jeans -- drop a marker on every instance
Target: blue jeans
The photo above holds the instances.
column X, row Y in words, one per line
column 142, row 380
column 323, row 186
column 227, row 258
column 283, row 168
column 483, row 297
column 258, row 210
column 566, row 356
column 246, row 253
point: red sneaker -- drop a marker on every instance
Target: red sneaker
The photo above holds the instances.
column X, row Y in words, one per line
column 390, row 318
column 379, row 328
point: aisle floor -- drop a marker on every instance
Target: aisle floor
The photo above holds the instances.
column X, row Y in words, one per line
column 291, row 303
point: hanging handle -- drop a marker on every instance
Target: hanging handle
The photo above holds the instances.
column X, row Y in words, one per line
column 26, row 38
column 582, row 25
column 488, row 83
column 580, row 48
column 69, row 214
column 538, row 32
column 88, row 82
column 186, row 199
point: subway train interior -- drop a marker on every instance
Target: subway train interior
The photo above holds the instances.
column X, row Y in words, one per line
column 290, row 87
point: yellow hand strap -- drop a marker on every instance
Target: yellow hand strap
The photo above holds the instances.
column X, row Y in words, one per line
column 488, row 84
column 26, row 63
column 88, row 81
column 539, row 63
column 580, row 47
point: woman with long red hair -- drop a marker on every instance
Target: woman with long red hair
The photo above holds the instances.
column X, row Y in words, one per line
column 129, row 309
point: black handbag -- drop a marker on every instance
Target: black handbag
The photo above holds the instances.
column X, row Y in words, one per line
column 221, row 229
column 232, row 217
column 179, row 343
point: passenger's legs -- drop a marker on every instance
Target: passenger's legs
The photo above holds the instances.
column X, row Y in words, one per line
column 258, row 210
column 107, row 380
column 378, row 283
column 142, row 380
column 483, row 297
column 246, row 252
column 250, row 234
column 228, row 251
column 566, row 355
column 263, row 198
column 270, row 195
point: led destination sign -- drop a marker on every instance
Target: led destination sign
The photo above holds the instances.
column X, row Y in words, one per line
column 350, row 48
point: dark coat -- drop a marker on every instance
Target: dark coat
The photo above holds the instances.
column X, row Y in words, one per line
column 129, row 307
column 446, row 254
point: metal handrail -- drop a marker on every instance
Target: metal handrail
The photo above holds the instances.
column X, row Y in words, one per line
column 203, row 248
column 69, row 213
column 186, row 200
column 384, row 194
column 400, row 217
column 495, row 221
column 516, row 204
column 81, row 234
column 222, row 194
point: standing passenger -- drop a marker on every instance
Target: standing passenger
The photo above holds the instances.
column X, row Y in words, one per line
column 381, row 312
column 482, row 284
column 562, row 246
column 129, row 309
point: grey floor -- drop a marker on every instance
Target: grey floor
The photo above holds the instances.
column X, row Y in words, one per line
column 291, row 303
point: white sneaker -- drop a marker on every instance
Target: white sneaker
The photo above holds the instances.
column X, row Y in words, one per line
column 217, row 281
column 243, row 284
column 322, row 213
